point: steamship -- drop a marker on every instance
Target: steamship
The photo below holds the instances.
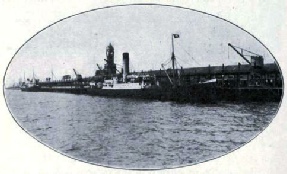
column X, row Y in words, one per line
column 254, row 81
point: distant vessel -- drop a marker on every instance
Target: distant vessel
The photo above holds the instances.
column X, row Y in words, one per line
column 253, row 82
column 14, row 87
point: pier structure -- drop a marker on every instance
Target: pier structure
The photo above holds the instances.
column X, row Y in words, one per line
column 231, row 81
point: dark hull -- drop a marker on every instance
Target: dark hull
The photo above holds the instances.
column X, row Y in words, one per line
column 31, row 89
column 126, row 93
column 256, row 94
column 199, row 93
column 61, row 90
column 203, row 93
column 65, row 90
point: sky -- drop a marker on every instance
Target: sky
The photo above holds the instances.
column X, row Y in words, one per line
column 143, row 31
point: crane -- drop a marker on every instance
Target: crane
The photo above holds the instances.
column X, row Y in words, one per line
column 235, row 48
column 78, row 76
column 239, row 53
column 100, row 71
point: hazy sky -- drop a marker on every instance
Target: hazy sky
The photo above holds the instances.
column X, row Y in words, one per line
column 144, row 31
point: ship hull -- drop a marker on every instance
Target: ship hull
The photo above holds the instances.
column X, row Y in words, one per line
column 65, row 90
column 198, row 93
column 31, row 89
column 254, row 94
column 126, row 93
column 59, row 90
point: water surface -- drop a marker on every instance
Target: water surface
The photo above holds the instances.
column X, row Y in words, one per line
column 137, row 134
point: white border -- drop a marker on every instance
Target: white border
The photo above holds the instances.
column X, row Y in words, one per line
column 19, row 153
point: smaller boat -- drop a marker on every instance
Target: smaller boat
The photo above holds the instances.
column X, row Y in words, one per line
column 31, row 85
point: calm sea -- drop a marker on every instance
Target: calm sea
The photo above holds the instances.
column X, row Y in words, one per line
column 137, row 134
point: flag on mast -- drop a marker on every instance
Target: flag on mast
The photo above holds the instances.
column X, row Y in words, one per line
column 176, row 35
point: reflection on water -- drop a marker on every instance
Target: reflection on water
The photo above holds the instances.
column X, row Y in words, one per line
column 129, row 133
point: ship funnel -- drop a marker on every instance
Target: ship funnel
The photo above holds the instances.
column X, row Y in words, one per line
column 126, row 68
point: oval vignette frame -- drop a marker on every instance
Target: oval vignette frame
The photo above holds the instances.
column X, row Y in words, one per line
column 147, row 4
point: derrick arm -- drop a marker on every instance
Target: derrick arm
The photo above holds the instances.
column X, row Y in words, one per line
column 75, row 72
column 78, row 76
column 118, row 71
column 100, row 68
column 241, row 55
column 167, row 74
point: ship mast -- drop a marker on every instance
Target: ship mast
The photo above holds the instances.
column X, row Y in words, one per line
column 172, row 54
column 33, row 75
column 52, row 74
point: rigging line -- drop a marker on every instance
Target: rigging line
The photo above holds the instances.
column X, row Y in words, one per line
column 247, row 55
column 132, row 67
column 184, row 50
column 166, row 61
column 176, row 62
column 178, row 65
column 189, row 55
column 183, row 61
column 118, row 65
column 246, row 50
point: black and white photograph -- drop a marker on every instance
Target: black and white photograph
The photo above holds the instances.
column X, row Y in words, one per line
column 143, row 87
